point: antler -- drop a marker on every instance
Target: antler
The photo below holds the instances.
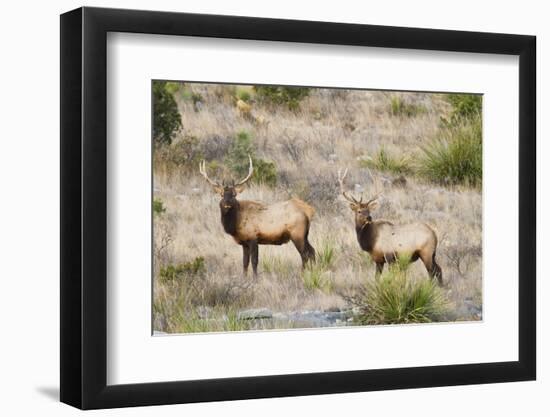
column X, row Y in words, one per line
column 376, row 184
column 202, row 170
column 250, row 172
column 341, row 178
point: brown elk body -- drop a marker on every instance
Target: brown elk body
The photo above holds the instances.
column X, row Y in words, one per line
column 252, row 223
column 386, row 242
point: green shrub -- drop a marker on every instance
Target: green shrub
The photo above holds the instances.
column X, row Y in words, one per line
column 181, row 271
column 166, row 116
column 383, row 161
column 173, row 87
column 243, row 94
column 158, row 206
column 400, row 108
column 397, row 298
column 287, row 96
column 464, row 106
column 317, row 275
column 265, row 172
column 456, row 157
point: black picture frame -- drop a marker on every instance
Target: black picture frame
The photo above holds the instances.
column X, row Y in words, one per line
column 84, row 207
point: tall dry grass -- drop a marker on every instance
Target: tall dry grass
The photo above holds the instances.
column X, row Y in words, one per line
column 331, row 129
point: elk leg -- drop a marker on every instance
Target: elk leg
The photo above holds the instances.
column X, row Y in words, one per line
column 310, row 252
column 305, row 250
column 254, row 255
column 434, row 270
column 246, row 257
column 379, row 268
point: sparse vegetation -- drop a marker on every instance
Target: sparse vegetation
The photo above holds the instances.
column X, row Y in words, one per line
column 302, row 146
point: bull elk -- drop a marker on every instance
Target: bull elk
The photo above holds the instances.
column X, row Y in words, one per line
column 386, row 242
column 252, row 223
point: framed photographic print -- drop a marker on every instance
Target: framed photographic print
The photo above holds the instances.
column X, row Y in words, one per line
column 257, row 208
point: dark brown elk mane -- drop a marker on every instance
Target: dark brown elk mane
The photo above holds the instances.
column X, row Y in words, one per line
column 252, row 223
column 385, row 241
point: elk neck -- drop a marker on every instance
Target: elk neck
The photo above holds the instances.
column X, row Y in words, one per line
column 229, row 219
column 366, row 235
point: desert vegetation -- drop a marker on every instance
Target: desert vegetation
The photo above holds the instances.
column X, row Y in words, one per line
column 422, row 151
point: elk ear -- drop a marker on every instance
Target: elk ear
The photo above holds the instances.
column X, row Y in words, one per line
column 239, row 188
column 373, row 205
column 353, row 206
column 218, row 190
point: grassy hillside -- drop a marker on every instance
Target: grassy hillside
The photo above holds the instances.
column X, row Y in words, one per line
column 422, row 150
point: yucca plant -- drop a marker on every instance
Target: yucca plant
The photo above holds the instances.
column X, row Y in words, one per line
column 397, row 298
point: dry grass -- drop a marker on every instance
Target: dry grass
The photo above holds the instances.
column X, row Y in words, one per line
column 331, row 129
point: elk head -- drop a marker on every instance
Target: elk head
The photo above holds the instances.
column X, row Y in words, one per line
column 228, row 190
column 361, row 209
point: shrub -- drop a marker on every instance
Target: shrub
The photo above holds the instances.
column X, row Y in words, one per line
column 185, row 152
column 397, row 298
column 464, row 106
column 326, row 254
column 316, row 277
column 243, row 94
column 173, row 87
column 456, row 157
column 383, row 161
column 265, row 172
column 400, row 108
column 158, row 207
column 181, row 271
column 166, row 116
column 276, row 265
column 288, row 96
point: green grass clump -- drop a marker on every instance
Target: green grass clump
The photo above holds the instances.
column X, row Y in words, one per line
column 158, row 206
column 400, row 108
column 383, row 161
column 397, row 298
column 316, row 278
column 456, row 157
